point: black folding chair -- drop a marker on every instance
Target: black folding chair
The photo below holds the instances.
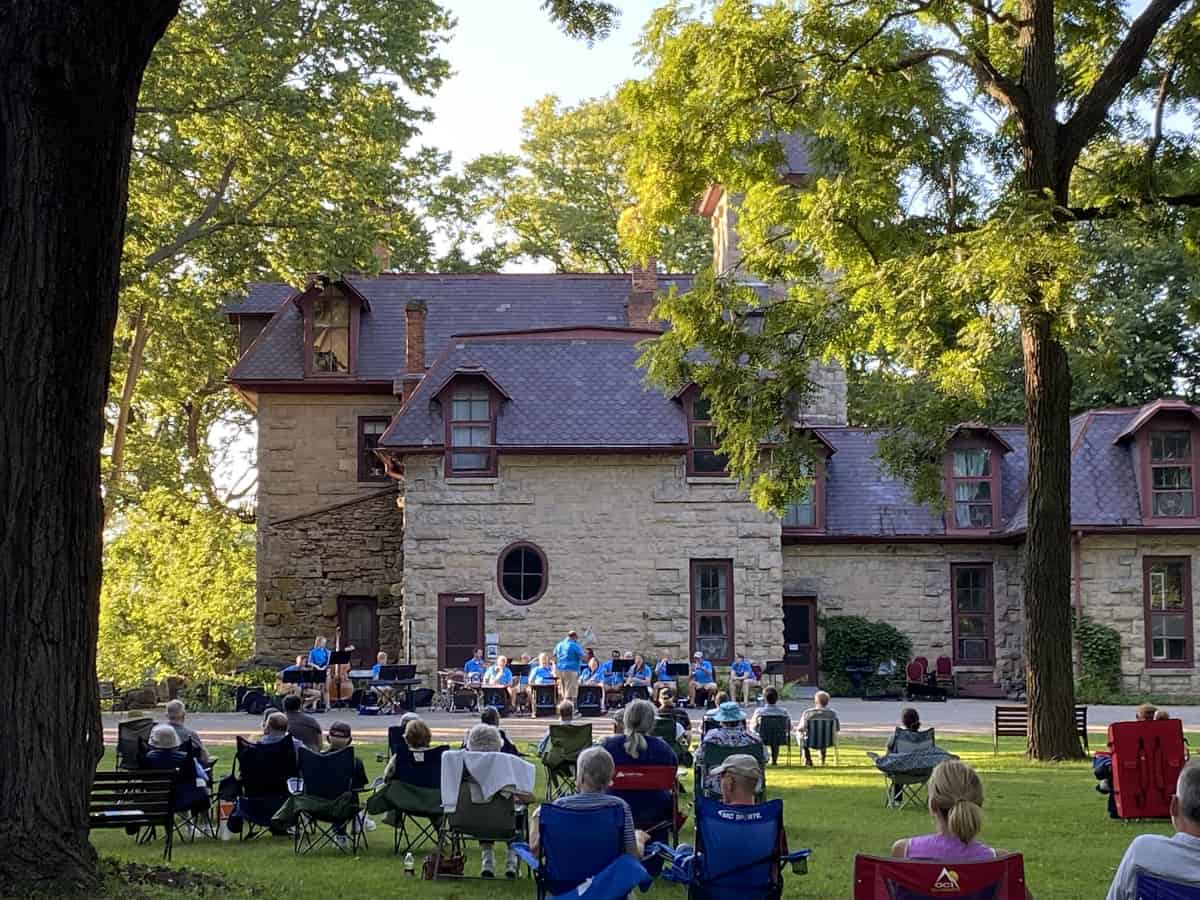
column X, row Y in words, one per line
column 262, row 772
column 324, row 811
column 131, row 735
column 776, row 732
column 413, row 797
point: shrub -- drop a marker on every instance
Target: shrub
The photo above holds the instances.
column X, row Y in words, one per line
column 1100, row 661
column 853, row 637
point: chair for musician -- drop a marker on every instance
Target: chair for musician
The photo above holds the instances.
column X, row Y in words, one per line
column 131, row 736
column 499, row 819
column 662, row 821
column 563, row 749
column 582, row 853
column 412, row 798
column 1151, row 887
column 920, row 683
column 709, row 756
column 776, row 733
column 741, row 853
column 820, row 735
column 906, row 769
column 944, row 674
column 324, row 806
column 879, row 878
column 261, row 777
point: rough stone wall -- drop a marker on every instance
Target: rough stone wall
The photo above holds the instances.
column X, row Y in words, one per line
column 618, row 533
column 308, row 451
column 908, row 586
column 306, row 563
column 1112, row 593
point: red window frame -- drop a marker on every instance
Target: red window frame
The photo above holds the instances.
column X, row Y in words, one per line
column 307, row 304
column 448, row 414
column 696, row 613
column 992, row 479
column 1188, row 464
column 987, row 615
column 364, row 451
column 1149, row 613
column 693, row 423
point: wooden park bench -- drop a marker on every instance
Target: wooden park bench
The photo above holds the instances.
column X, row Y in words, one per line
column 134, row 798
column 1013, row 721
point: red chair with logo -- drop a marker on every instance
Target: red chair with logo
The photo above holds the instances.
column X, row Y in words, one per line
column 1146, row 759
column 880, row 878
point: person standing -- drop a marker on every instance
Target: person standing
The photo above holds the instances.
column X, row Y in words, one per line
column 318, row 658
column 568, row 658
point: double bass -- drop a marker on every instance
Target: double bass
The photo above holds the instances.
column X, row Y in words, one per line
column 337, row 681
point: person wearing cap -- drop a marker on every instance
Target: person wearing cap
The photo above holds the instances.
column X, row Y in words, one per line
column 340, row 737
column 568, row 658
column 739, row 777
column 741, row 675
column 731, row 732
column 702, row 684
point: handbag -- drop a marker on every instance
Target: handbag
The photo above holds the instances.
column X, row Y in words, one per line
column 436, row 864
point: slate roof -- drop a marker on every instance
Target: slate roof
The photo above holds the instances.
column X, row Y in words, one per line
column 457, row 304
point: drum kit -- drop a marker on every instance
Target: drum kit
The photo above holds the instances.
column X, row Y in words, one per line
column 456, row 692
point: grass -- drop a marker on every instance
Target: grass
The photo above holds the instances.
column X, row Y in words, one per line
column 1049, row 812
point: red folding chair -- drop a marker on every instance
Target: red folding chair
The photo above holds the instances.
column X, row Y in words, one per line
column 634, row 779
column 880, row 878
column 1146, row 760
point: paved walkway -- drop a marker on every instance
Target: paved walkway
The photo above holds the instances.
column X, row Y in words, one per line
column 858, row 718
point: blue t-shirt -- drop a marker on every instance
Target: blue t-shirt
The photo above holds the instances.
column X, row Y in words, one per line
column 703, row 673
column 642, row 674
column 541, row 675
column 590, row 676
column 375, row 670
column 473, row 666
column 741, row 669
column 569, row 655
column 608, row 676
column 318, row 656
column 660, row 672
column 495, row 675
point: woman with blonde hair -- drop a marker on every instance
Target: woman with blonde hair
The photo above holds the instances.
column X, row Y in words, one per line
column 956, row 804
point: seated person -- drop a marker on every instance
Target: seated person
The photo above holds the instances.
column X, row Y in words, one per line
column 639, row 747
column 275, row 729
column 417, row 736
column 340, row 737
column 661, row 679
column 1161, row 715
column 489, row 715
column 739, row 778
column 593, row 777
column 566, row 716
column 741, row 678
column 612, row 680
column 498, row 674
column 592, row 673
column 618, row 721
column 520, row 690
column 307, row 693
column 486, row 739
column 541, row 673
column 1102, row 761
column 771, row 709
column 1175, row 858
column 381, row 660
column 163, row 753
column 386, row 694
column 668, row 710
column 731, row 732
column 820, row 710
column 176, row 714
column 474, row 668
column 301, row 725
column 702, row 685
column 639, row 674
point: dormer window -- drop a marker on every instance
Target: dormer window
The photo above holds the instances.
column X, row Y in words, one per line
column 331, row 335
column 971, row 478
column 1172, row 475
column 471, row 432
column 703, row 458
column 801, row 512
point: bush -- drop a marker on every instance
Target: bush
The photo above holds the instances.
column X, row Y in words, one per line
column 1100, row 661
column 853, row 637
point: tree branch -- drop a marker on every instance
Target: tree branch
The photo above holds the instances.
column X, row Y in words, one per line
column 1111, row 210
column 192, row 229
column 1120, row 70
column 1160, row 102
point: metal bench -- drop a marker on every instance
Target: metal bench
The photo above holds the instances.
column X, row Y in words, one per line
column 134, row 799
column 1013, row 721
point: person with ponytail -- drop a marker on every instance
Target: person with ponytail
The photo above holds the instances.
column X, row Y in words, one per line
column 956, row 804
column 638, row 747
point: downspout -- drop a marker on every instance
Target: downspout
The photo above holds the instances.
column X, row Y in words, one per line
column 1077, row 569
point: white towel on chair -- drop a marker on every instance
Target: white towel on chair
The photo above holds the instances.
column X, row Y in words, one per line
column 492, row 773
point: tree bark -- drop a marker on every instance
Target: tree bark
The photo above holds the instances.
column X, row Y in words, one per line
column 116, row 464
column 70, row 71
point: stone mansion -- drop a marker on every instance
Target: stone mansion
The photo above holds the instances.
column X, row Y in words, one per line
column 453, row 461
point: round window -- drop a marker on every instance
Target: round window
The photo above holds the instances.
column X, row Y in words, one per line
column 522, row 573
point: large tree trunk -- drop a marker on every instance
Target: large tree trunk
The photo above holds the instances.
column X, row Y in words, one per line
column 1049, row 678
column 70, row 71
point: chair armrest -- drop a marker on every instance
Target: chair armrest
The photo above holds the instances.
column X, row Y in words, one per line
column 525, row 855
column 381, row 757
column 795, row 855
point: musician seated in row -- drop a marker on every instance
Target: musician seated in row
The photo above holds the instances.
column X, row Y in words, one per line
column 387, row 695
column 703, row 684
column 639, row 674
column 308, row 693
column 612, row 680
column 663, row 681
column 301, row 725
column 520, row 688
column 592, row 677
column 474, row 668
column 499, row 675
column 543, row 672
column 741, row 675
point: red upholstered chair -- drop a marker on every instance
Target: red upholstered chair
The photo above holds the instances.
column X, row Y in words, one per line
column 915, row 670
column 944, row 670
column 880, row 878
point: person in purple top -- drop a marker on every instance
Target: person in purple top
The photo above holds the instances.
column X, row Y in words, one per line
column 956, row 804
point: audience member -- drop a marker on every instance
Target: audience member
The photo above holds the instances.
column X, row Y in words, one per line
column 301, row 725
column 593, row 777
column 910, row 720
column 739, row 777
column 489, row 715
column 275, row 729
column 1161, row 715
column 771, row 710
column 417, row 736
column 731, row 727
column 486, row 739
column 1102, row 760
column 668, row 710
column 566, row 716
column 340, row 738
column 1175, row 858
column 956, row 805
column 820, row 710
column 639, row 747
column 176, row 714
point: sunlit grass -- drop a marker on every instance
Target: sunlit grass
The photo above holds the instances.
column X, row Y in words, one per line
column 1049, row 812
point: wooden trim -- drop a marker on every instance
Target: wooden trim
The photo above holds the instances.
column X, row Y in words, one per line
column 1189, row 662
column 814, row 661
column 981, row 537
column 550, row 449
column 527, row 545
column 689, row 401
column 363, row 475
column 820, row 476
column 366, row 655
column 989, row 614
column 354, row 303
column 995, row 460
column 446, row 601
column 1167, row 422
column 316, row 385
column 446, row 398
column 728, row 612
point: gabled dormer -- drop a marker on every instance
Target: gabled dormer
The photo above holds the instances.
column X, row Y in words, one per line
column 972, row 465
column 1164, row 440
column 470, row 400
column 806, row 513
column 332, row 312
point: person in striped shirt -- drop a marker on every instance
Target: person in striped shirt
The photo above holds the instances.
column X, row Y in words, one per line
column 593, row 776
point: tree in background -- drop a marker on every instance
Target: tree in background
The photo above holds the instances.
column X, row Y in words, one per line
column 559, row 200
column 962, row 150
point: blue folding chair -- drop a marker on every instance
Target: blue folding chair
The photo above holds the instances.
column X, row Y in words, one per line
column 740, row 853
column 1151, row 887
column 582, row 855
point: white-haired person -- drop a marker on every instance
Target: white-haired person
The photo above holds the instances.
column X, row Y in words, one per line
column 486, row 739
column 594, row 772
column 176, row 715
column 819, row 710
column 1175, row 858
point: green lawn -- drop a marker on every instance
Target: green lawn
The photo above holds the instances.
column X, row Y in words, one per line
column 1051, row 813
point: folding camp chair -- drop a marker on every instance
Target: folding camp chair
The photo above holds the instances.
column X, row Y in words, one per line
column 412, row 797
column 820, row 734
column 665, row 729
column 130, row 737
column 582, row 852
column 879, row 878
column 325, row 806
column 709, row 756
column 776, row 732
column 498, row 819
column 191, row 802
column 1151, row 887
column 905, row 783
column 262, row 771
column 740, row 853
column 631, row 780
column 566, row 743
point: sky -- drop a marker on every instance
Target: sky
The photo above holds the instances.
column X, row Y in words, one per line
column 505, row 54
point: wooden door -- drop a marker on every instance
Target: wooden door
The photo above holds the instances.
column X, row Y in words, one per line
column 800, row 639
column 460, row 628
column 358, row 618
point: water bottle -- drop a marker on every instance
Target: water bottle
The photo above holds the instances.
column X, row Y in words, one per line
column 409, row 865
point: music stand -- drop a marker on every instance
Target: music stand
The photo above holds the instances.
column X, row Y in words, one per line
column 588, row 701
column 519, row 669
column 545, row 698
column 302, row 676
column 621, row 666
column 679, row 670
column 773, row 669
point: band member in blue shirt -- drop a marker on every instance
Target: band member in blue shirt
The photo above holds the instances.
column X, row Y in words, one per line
column 568, row 657
column 661, row 678
column 741, row 674
column 521, row 687
column 702, row 684
column 473, row 668
column 543, row 672
column 318, row 658
column 500, row 675
column 592, row 674
column 380, row 661
column 639, row 673
column 611, row 678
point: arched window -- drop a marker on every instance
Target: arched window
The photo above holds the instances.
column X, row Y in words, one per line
column 522, row 573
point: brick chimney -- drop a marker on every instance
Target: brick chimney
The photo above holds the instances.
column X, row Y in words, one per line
column 642, row 291
column 414, row 350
